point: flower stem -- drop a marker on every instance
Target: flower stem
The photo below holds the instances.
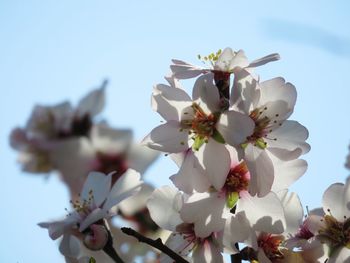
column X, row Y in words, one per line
column 158, row 244
column 110, row 251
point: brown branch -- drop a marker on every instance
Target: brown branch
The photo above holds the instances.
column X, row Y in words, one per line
column 157, row 243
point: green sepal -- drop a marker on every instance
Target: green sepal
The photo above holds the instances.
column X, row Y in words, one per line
column 261, row 143
column 198, row 142
column 92, row 260
column 218, row 137
column 244, row 145
column 232, row 199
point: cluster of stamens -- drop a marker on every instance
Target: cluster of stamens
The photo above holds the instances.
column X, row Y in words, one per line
column 83, row 207
column 335, row 233
column 202, row 126
column 211, row 58
column 237, row 179
column 263, row 126
column 271, row 244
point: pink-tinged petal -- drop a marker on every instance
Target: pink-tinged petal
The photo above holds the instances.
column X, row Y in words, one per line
column 179, row 244
column 214, row 161
column 314, row 251
column 97, row 185
column 235, row 127
column 189, row 178
column 93, row 103
column 206, row 94
column 207, row 252
column 164, row 206
column 239, row 60
column 169, row 102
column 128, row 184
column 264, row 214
column 168, row 137
column 261, row 170
column 290, row 136
column 237, row 230
column 293, row 211
column 287, row 172
column 335, row 201
column 70, row 246
column 264, row 60
column 58, row 228
column 206, row 211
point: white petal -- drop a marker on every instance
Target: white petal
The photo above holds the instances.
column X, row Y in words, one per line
column 93, row 217
column 99, row 184
column 342, row 255
column 128, row 184
column 207, row 252
column 189, row 178
column 286, row 173
column 214, row 161
column 293, row 211
column 235, row 127
column 206, row 94
column 264, row 214
column 136, row 202
column 93, row 103
column 184, row 70
column 168, row 137
column 277, row 89
column 224, row 60
column 264, row 60
column 261, row 170
column 290, row 136
column 70, row 246
column 164, row 206
column 169, row 102
column 206, row 211
column 237, row 230
column 335, row 199
column 110, row 140
column 239, row 61
column 141, row 157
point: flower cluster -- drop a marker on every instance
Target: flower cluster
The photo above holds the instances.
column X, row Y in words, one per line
column 238, row 153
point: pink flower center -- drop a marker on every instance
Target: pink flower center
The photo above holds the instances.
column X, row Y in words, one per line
column 271, row 245
column 237, row 179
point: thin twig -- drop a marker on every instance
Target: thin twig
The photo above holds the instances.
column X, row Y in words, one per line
column 157, row 243
column 110, row 251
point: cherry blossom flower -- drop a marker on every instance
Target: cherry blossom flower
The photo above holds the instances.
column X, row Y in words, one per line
column 107, row 150
column 50, row 125
column 198, row 124
column 275, row 138
column 96, row 203
column 164, row 206
column 333, row 227
column 226, row 61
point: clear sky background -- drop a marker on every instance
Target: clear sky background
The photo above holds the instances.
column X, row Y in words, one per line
column 51, row 51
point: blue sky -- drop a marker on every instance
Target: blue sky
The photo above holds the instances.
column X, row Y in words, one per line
column 56, row 50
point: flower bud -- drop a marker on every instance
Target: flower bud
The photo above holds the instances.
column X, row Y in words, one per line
column 96, row 238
